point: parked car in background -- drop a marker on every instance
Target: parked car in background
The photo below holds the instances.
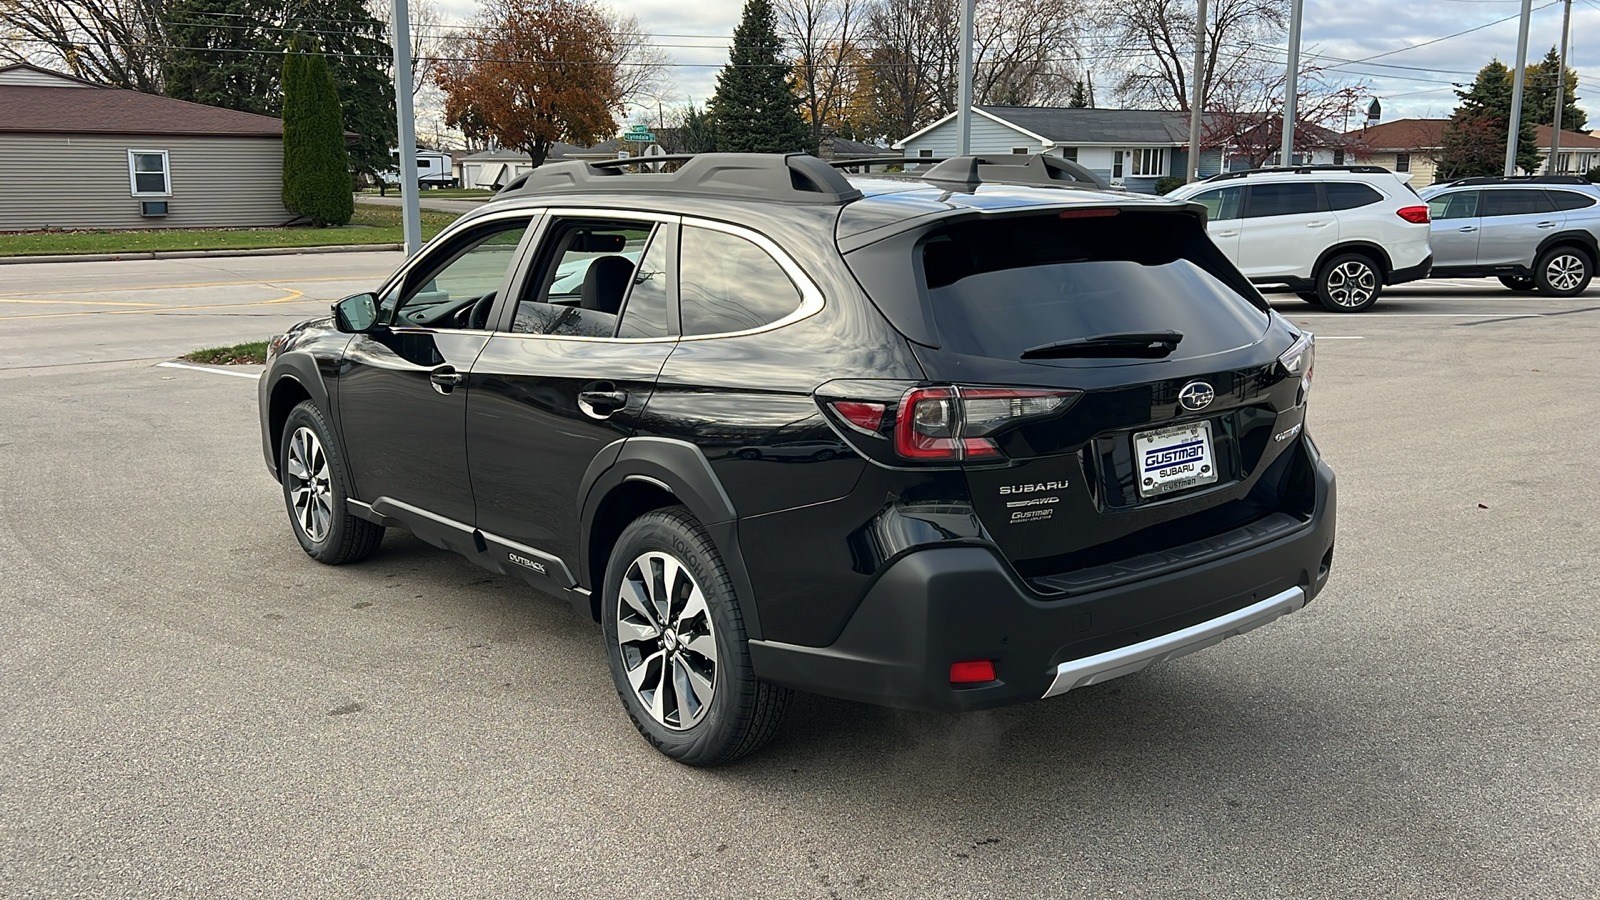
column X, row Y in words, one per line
column 1335, row 235
column 1533, row 233
column 433, row 169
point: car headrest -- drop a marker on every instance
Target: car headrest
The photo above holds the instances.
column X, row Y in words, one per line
column 606, row 283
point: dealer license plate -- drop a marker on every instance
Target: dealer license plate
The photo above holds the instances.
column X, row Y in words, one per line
column 1172, row 459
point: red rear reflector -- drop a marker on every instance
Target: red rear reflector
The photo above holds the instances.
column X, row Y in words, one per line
column 1088, row 213
column 1416, row 214
column 866, row 416
column 972, row 671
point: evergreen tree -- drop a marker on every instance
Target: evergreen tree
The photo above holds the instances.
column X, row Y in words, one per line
column 360, row 59
column 1539, row 95
column 222, row 53
column 1080, row 95
column 756, row 107
column 318, row 186
column 1475, row 139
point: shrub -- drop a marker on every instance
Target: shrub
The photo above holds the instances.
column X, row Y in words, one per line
column 316, row 164
column 1169, row 183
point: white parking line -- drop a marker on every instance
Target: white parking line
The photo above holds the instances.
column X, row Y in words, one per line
column 255, row 376
column 1341, row 337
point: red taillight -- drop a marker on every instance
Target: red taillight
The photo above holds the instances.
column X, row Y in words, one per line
column 866, row 416
column 1415, row 214
column 956, row 423
column 972, row 671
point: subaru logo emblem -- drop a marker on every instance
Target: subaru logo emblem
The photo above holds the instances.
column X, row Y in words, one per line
column 1196, row 395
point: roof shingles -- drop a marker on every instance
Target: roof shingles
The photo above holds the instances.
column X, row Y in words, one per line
column 64, row 110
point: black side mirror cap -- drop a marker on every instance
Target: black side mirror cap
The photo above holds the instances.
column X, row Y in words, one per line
column 356, row 314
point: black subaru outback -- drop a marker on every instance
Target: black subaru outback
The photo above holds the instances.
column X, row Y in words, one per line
column 949, row 441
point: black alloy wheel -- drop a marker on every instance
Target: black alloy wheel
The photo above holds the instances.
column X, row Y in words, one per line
column 315, row 487
column 676, row 645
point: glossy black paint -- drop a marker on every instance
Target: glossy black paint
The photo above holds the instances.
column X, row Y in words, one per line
column 828, row 537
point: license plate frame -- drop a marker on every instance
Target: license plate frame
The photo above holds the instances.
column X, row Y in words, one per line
column 1175, row 458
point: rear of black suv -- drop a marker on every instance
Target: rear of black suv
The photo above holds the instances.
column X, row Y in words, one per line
column 1104, row 465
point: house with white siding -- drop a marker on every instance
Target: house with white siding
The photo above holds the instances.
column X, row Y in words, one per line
column 103, row 157
column 1129, row 147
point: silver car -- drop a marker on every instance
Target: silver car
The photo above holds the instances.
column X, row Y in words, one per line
column 1539, row 233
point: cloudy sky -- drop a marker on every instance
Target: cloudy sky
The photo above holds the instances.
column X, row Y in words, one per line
column 1388, row 40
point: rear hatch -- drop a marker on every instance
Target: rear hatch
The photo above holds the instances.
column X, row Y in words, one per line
column 1117, row 394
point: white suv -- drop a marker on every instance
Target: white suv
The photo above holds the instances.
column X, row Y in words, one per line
column 1335, row 235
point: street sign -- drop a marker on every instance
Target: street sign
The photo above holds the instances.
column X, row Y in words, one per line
column 654, row 150
column 638, row 134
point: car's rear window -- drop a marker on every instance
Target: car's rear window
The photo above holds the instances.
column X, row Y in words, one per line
column 998, row 287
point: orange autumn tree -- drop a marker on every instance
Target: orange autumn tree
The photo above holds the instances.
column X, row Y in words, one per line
column 534, row 72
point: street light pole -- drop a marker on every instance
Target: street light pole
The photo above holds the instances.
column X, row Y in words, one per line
column 1199, row 101
column 1561, row 89
column 964, row 85
column 1291, row 84
column 1514, row 128
column 411, row 211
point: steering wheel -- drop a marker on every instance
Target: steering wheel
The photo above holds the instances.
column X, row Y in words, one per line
column 476, row 314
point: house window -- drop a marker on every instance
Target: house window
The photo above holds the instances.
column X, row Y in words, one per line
column 1338, row 157
column 1116, row 164
column 1019, row 150
column 1402, row 162
column 925, row 154
column 1149, row 161
column 147, row 173
column 1069, row 153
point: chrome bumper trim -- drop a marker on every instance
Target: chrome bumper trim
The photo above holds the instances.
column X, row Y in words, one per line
column 1111, row 664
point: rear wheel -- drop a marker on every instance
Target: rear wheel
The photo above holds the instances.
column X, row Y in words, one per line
column 676, row 644
column 1518, row 282
column 315, row 487
column 1349, row 283
column 1563, row 271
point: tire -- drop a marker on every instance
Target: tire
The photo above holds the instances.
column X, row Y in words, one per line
column 1518, row 283
column 315, row 485
column 668, row 607
column 1563, row 271
column 1349, row 283
column 1310, row 297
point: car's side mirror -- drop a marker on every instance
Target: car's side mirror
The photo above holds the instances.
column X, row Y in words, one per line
column 356, row 314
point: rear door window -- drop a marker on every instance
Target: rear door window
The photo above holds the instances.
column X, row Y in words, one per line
column 999, row 287
column 1516, row 202
column 726, row 283
column 1285, row 199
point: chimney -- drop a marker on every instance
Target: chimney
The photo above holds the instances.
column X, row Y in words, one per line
column 1374, row 112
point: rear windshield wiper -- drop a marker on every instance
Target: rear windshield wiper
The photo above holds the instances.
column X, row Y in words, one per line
column 1140, row 344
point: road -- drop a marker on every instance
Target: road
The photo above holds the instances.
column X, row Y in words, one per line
column 189, row 707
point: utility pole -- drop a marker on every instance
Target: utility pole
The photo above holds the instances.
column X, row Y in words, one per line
column 1515, row 126
column 1199, row 101
column 1561, row 89
column 410, row 211
column 1291, row 83
column 964, row 87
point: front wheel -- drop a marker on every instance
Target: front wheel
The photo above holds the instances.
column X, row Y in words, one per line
column 676, row 645
column 1563, row 271
column 315, row 486
column 1349, row 283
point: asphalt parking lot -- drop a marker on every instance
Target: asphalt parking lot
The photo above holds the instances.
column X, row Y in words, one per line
column 189, row 707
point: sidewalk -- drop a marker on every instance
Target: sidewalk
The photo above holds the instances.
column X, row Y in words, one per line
column 454, row 206
column 194, row 254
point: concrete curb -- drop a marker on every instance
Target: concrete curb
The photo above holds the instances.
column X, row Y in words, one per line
column 196, row 254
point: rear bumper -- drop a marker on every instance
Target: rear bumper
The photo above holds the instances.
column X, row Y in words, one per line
column 1412, row 273
column 941, row 605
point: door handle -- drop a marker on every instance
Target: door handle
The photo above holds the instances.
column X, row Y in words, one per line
column 1467, row 229
column 1315, row 224
column 602, row 404
column 1227, row 234
column 1545, row 225
column 446, row 379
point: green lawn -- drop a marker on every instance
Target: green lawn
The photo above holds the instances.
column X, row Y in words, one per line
column 254, row 352
column 369, row 225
